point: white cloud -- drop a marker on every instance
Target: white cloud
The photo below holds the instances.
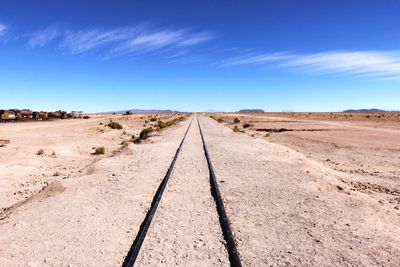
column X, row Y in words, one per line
column 196, row 39
column 159, row 40
column 376, row 64
column 255, row 59
column 43, row 37
column 147, row 41
column 3, row 29
column 128, row 41
column 83, row 41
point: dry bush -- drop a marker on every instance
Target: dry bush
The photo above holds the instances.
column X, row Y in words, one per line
column 236, row 120
column 125, row 143
column 56, row 174
column 236, row 129
column 161, row 124
column 246, row 125
column 114, row 125
column 100, row 150
column 40, row 152
column 220, row 120
column 153, row 119
column 144, row 134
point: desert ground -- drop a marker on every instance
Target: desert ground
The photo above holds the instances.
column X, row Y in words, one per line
column 300, row 189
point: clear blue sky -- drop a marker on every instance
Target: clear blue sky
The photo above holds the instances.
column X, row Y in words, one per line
column 92, row 55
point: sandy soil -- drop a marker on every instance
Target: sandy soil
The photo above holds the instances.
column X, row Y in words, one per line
column 288, row 204
column 91, row 218
column 366, row 154
column 68, row 147
column 287, row 209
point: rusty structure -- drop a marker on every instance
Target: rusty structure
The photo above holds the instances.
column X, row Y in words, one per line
column 17, row 115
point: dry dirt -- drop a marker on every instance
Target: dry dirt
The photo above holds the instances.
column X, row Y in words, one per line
column 287, row 208
column 323, row 192
column 91, row 217
column 67, row 145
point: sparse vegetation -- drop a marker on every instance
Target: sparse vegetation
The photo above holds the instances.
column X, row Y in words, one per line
column 144, row 134
column 100, row 150
column 246, row 125
column 220, row 120
column 153, row 119
column 40, row 152
column 56, row 174
column 161, row 124
column 236, row 129
column 125, row 143
column 86, row 117
column 114, row 125
column 236, row 120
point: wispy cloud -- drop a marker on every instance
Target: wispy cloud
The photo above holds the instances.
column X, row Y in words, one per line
column 375, row 64
column 161, row 40
column 3, row 29
column 122, row 41
column 43, row 37
column 86, row 41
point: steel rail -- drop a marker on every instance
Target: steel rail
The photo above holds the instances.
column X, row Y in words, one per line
column 144, row 227
column 223, row 217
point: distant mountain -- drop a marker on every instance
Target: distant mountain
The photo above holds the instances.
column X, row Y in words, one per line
column 144, row 111
column 251, row 110
column 365, row 110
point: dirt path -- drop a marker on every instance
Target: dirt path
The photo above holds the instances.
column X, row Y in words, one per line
column 90, row 220
column 186, row 230
column 286, row 209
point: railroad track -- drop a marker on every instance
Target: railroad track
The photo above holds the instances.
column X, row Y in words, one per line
column 234, row 258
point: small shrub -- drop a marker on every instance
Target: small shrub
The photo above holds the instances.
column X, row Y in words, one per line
column 153, row 119
column 246, row 125
column 125, row 143
column 161, row 124
column 86, row 117
column 100, row 150
column 236, row 129
column 145, row 133
column 114, row 125
column 236, row 120
column 56, row 174
column 40, row 152
column 220, row 120
column 53, row 154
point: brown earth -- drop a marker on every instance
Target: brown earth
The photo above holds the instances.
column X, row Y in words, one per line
column 318, row 193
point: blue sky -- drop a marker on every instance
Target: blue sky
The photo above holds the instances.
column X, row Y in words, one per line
column 316, row 55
